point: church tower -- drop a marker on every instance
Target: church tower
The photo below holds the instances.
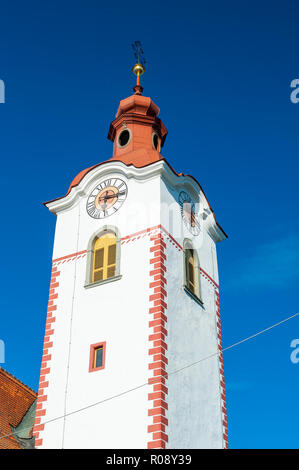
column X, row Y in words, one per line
column 132, row 354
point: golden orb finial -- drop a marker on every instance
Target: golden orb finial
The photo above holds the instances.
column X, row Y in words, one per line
column 138, row 69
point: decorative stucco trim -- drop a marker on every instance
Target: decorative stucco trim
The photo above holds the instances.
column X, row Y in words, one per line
column 123, row 240
column 129, row 238
column 160, row 168
column 72, row 255
column 205, row 275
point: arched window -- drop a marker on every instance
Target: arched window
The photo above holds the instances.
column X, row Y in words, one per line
column 103, row 257
column 191, row 270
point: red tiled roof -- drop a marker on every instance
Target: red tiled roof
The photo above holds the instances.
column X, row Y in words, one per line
column 15, row 399
column 79, row 177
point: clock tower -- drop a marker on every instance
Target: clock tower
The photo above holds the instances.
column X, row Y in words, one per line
column 132, row 354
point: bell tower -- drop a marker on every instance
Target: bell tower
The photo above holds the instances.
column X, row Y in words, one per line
column 137, row 116
column 132, row 354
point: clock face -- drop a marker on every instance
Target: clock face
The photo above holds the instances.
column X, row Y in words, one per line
column 188, row 213
column 106, row 198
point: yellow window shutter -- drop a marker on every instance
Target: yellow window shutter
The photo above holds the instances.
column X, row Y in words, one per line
column 104, row 262
column 190, row 275
column 111, row 254
column 99, row 258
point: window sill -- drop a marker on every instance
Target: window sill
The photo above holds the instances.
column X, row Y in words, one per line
column 193, row 296
column 97, row 368
column 105, row 281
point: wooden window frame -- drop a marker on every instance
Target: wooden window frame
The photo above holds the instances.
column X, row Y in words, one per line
column 192, row 285
column 89, row 283
column 105, row 247
column 93, row 348
column 196, row 294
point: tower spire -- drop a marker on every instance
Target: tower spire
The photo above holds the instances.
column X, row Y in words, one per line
column 138, row 69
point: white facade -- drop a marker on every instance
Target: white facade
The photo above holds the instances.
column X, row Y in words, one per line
column 117, row 313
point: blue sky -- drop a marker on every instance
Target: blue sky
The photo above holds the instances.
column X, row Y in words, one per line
column 221, row 73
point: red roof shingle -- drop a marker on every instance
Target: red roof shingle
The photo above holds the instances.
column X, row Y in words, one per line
column 15, row 399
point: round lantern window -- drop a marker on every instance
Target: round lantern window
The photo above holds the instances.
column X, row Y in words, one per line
column 124, row 138
column 155, row 138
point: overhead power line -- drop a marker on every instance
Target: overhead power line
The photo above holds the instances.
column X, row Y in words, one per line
column 169, row 373
column 236, row 344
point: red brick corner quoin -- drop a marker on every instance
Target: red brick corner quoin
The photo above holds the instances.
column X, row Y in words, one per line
column 46, row 358
column 221, row 372
column 158, row 347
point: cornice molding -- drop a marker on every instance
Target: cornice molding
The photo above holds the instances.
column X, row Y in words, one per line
column 160, row 168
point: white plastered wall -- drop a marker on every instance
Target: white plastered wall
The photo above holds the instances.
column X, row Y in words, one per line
column 194, row 405
column 117, row 313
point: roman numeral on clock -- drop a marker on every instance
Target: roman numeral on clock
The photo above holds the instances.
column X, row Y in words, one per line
column 106, row 198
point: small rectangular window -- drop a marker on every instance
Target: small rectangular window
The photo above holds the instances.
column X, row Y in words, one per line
column 97, row 356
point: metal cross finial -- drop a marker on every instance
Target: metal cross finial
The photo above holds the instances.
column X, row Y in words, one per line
column 138, row 52
column 138, row 68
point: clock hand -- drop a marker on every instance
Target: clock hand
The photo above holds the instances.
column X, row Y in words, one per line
column 104, row 204
column 196, row 223
column 105, row 198
column 111, row 196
